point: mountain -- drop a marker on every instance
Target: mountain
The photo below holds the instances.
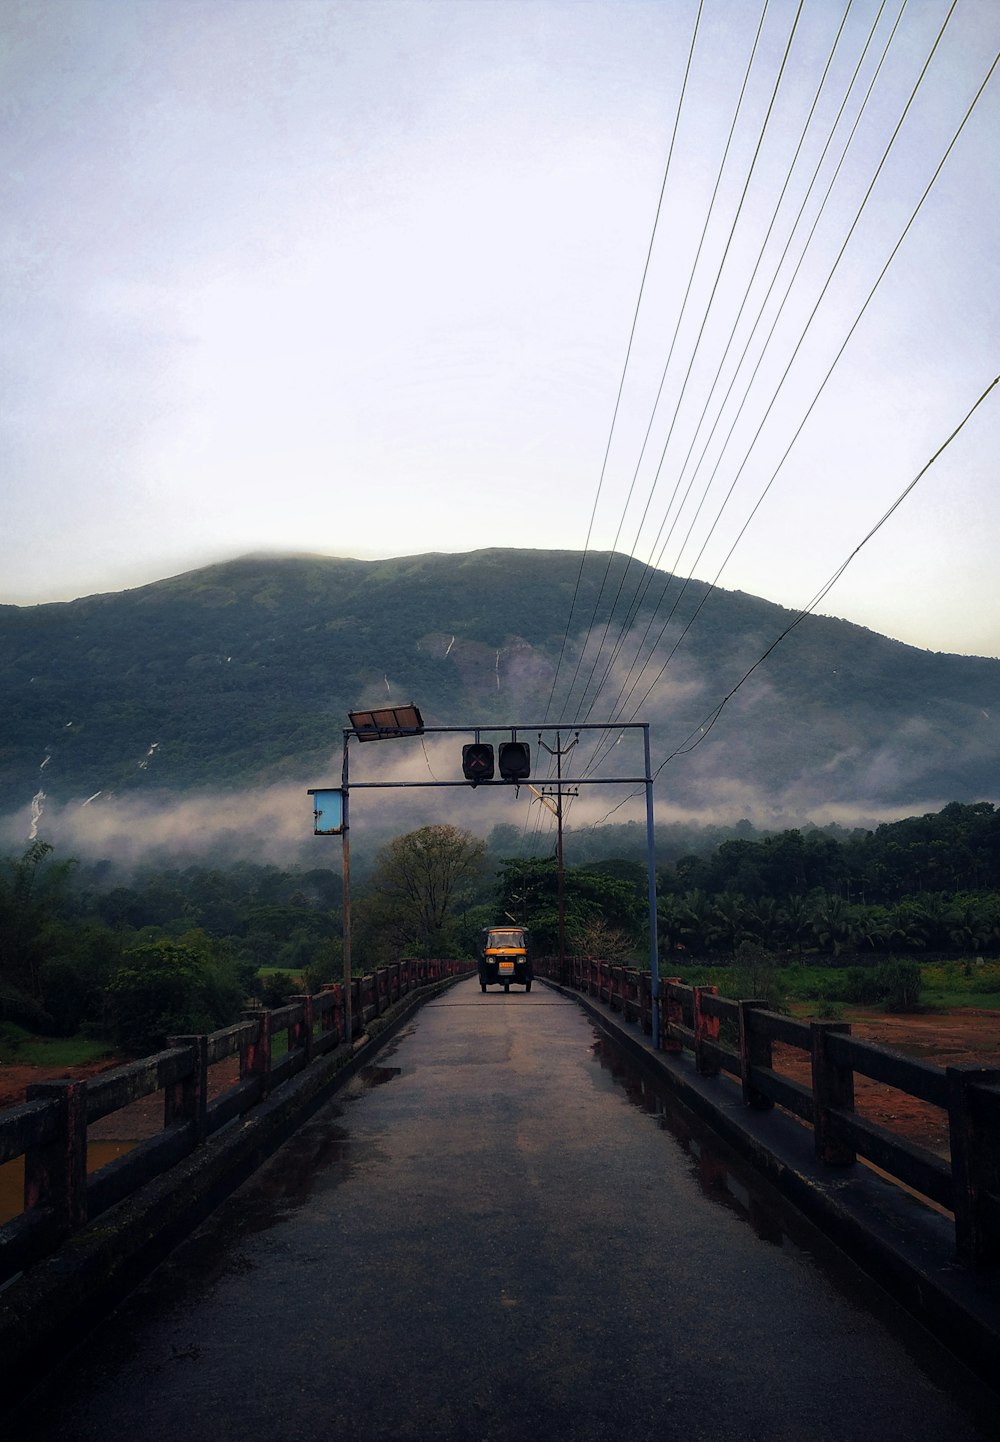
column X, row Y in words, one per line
column 242, row 673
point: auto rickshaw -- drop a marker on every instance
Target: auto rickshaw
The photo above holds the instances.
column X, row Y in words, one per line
column 504, row 957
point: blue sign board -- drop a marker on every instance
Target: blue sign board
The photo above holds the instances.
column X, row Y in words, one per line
column 328, row 813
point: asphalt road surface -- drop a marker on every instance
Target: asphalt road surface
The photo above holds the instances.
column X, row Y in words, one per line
column 487, row 1240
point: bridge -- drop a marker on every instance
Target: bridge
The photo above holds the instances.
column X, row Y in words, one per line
column 506, row 1216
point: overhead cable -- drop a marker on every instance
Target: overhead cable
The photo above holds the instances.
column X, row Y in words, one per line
column 628, row 354
column 652, row 564
column 829, row 372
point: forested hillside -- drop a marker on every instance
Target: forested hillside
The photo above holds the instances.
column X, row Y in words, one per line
column 242, row 673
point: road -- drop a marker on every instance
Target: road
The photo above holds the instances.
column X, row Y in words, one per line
column 486, row 1238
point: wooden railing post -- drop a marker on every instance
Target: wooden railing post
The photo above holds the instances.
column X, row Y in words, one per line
column 55, row 1175
column 300, row 1033
column 255, row 1057
column 755, row 1050
column 187, row 1100
column 706, row 1028
column 329, row 1016
column 833, row 1089
column 975, row 1163
column 672, row 1013
column 646, row 1002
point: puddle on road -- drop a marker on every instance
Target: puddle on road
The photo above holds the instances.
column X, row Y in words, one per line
column 377, row 1076
column 715, row 1175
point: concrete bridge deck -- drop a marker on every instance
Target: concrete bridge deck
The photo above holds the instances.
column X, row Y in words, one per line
column 484, row 1238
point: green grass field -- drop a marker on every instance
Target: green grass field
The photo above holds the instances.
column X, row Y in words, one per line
column 22, row 1048
column 967, row 982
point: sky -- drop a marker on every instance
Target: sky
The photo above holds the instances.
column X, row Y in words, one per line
column 362, row 279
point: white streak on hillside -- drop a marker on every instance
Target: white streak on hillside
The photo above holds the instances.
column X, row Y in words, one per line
column 37, row 807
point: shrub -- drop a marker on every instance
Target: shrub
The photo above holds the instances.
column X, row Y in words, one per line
column 16, row 1006
column 275, row 988
column 66, row 995
column 755, row 975
column 898, row 984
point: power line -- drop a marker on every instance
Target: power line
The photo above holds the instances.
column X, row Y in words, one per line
column 625, row 691
column 643, row 589
column 677, row 326
column 829, row 372
column 628, row 354
column 699, row 734
column 713, row 716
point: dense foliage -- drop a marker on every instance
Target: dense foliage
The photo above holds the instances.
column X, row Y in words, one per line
column 170, row 951
column 165, row 953
column 925, row 884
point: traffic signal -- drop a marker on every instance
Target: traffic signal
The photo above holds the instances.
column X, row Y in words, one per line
column 515, row 760
column 477, row 762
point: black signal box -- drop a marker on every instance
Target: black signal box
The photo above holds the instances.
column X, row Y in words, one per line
column 515, row 760
column 477, row 762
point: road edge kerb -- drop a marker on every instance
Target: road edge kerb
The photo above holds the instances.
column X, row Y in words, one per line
column 47, row 1310
column 904, row 1246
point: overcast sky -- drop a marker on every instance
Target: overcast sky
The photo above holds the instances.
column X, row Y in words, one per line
column 359, row 279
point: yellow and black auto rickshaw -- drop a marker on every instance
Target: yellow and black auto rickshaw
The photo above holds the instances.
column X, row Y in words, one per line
column 504, row 956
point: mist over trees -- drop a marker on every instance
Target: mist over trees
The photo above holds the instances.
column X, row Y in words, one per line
column 138, row 956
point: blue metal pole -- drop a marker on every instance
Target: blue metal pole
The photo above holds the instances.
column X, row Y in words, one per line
column 654, row 959
column 346, row 900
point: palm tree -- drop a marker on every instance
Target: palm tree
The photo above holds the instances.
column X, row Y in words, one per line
column 832, row 923
column 696, row 925
column 795, row 922
column 730, row 918
column 764, row 919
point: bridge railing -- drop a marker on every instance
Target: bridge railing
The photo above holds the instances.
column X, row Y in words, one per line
column 736, row 1039
column 49, row 1130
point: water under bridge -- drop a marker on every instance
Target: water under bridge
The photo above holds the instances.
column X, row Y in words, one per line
column 502, row 1229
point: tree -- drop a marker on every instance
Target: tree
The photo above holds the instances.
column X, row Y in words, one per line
column 731, row 920
column 418, row 878
column 832, row 924
column 32, row 890
column 755, row 976
column 796, row 924
column 173, row 988
column 528, row 892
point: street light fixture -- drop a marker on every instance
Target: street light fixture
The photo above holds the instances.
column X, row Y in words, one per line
column 330, row 811
column 387, row 721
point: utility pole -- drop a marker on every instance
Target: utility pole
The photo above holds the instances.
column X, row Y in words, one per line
column 558, row 751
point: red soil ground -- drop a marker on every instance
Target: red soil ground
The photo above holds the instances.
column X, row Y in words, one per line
column 946, row 1038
